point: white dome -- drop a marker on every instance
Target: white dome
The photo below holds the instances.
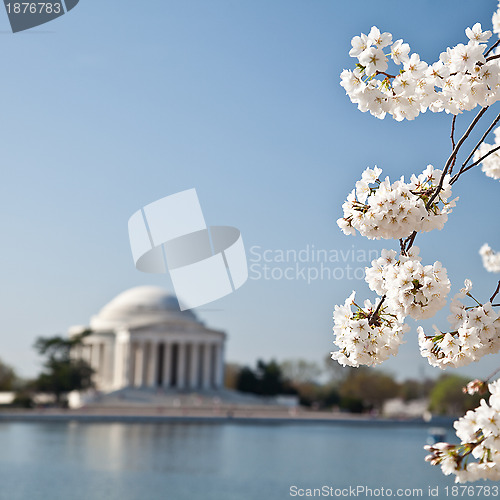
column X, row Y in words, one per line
column 140, row 306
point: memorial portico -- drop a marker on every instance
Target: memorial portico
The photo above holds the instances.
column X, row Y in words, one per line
column 142, row 339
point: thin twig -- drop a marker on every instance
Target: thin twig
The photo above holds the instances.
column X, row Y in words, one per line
column 454, row 154
column 373, row 315
column 450, row 162
column 384, row 73
column 463, row 169
column 495, row 121
column 497, row 291
column 409, row 242
column 494, row 46
column 452, row 137
column 472, row 165
column 492, row 57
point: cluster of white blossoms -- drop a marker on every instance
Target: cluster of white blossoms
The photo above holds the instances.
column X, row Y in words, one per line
column 370, row 334
column 379, row 209
column 410, row 288
column 462, row 78
column 465, row 76
column 365, row 336
column 491, row 259
column 491, row 164
column 475, row 333
column 478, row 455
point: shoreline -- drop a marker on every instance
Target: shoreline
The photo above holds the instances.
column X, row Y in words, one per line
column 187, row 416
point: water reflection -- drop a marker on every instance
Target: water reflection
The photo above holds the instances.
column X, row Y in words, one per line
column 139, row 447
column 190, row 461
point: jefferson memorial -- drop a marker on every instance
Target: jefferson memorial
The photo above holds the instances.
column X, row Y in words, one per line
column 142, row 339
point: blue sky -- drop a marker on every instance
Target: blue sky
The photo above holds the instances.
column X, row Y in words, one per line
column 118, row 104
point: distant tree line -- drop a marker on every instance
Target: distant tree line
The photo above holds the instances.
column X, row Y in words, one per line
column 329, row 387
column 352, row 390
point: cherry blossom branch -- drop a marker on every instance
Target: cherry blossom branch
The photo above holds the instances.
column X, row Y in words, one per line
column 427, row 209
column 463, row 169
column 454, row 154
column 472, row 165
column 408, row 242
column 490, row 128
column 373, row 316
column 385, row 74
column 497, row 291
column 452, row 137
column 493, row 47
column 491, row 58
column 402, row 246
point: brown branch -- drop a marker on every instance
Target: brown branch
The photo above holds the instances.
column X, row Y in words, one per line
column 494, row 46
column 452, row 137
column 472, row 165
column 454, row 154
column 492, row 57
column 490, row 128
column 373, row 316
column 409, row 242
column 384, row 73
column 497, row 291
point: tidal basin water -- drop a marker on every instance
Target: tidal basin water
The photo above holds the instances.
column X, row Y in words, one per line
column 177, row 461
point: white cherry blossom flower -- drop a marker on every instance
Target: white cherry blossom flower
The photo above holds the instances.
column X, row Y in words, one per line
column 373, row 59
column 476, row 34
column 491, row 259
column 359, row 45
column 381, row 40
column 400, row 51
